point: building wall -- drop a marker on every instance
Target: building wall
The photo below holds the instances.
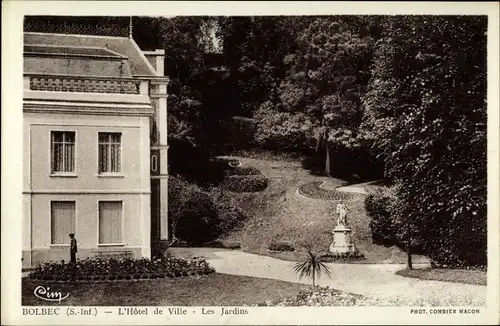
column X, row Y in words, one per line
column 86, row 187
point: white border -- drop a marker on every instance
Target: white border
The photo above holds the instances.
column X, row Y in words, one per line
column 12, row 69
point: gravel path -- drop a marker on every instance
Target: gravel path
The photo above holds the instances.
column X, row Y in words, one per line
column 377, row 281
column 355, row 188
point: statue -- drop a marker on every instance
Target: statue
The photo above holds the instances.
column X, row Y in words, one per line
column 342, row 211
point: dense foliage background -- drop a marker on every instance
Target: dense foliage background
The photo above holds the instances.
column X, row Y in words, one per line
column 367, row 97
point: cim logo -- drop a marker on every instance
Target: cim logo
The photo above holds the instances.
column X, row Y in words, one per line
column 45, row 294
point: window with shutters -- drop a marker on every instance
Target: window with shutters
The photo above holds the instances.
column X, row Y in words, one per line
column 62, row 222
column 110, row 222
column 109, row 152
column 63, row 151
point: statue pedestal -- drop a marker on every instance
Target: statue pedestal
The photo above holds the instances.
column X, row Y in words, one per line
column 342, row 242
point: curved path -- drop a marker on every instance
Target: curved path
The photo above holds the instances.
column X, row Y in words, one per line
column 370, row 280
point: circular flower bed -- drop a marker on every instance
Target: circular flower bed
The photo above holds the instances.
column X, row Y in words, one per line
column 330, row 256
column 111, row 269
column 313, row 190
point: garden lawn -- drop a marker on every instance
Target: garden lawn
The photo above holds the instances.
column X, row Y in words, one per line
column 278, row 214
column 474, row 277
column 210, row 290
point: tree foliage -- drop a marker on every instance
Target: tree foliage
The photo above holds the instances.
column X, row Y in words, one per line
column 426, row 114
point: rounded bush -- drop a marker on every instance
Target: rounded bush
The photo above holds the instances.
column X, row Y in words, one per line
column 245, row 183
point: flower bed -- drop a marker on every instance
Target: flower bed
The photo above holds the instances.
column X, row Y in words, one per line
column 314, row 191
column 120, row 269
column 330, row 257
column 280, row 246
column 326, row 297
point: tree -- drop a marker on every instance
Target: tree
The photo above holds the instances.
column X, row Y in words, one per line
column 426, row 116
column 313, row 265
column 324, row 80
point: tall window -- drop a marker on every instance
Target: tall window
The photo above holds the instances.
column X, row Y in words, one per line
column 109, row 152
column 62, row 221
column 63, row 151
column 110, row 222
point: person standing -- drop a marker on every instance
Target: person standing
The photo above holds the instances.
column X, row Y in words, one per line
column 73, row 248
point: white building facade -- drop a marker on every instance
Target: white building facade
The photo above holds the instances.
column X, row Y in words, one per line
column 95, row 145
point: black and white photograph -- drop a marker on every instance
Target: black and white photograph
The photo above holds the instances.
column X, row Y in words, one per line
column 208, row 165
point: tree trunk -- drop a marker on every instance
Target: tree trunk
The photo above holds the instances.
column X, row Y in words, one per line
column 314, row 280
column 327, row 161
column 409, row 264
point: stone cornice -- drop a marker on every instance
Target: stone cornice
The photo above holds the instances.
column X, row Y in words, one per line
column 88, row 108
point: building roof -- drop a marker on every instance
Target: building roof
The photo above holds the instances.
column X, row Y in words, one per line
column 90, row 46
column 55, row 50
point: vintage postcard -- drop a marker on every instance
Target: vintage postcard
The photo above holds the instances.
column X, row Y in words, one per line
column 250, row 163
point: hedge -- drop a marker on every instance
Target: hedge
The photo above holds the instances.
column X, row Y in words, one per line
column 245, row 183
column 382, row 227
column 280, row 246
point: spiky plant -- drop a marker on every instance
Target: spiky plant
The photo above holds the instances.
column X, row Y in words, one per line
column 313, row 265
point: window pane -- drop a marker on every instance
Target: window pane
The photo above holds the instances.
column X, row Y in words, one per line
column 62, row 221
column 115, row 138
column 102, row 154
column 115, row 158
column 57, row 136
column 57, row 158
column 68, row 157
column 69, row 137
column 103, row 137
column 110, row 222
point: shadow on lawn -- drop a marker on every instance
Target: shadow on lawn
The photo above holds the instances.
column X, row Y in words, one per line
column 210, row 290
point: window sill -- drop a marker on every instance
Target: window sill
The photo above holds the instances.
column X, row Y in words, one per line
column 59, row 245
column 63, row 175
column 110, row 244
column 111, row 175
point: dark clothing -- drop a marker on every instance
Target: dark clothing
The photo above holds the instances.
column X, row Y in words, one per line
column 73, row 250
column 74, row 247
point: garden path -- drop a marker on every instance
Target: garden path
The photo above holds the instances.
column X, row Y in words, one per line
column 358, row 188
column 374, row 280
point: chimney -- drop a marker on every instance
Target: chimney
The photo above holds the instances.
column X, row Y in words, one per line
column 156, row 58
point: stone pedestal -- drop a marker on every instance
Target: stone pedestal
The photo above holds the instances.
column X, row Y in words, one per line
column 342, row 242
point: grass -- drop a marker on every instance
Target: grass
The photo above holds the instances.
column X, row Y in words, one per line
column 209, row 290
column 277, row 214
column 474, row 277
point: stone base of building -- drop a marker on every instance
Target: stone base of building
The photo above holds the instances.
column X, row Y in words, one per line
column 36, row 256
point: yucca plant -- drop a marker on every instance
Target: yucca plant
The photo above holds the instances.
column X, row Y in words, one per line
column 313, row 265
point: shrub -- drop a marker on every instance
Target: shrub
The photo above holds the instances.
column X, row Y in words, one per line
column 237, row 183
column 280, row 246
column 247, row 170
column 192, row 214
column 228, row 210
column 379, row 208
